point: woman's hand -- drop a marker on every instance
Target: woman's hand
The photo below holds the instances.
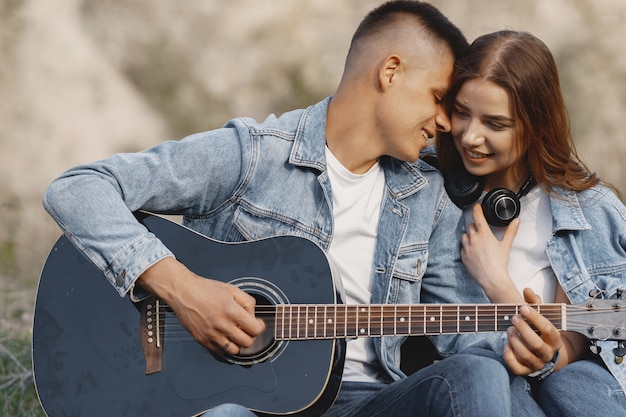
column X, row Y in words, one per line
column 486, row 258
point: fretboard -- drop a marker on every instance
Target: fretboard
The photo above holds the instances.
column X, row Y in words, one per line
column 330, row 321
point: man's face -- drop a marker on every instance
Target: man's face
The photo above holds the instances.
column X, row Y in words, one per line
column 411, row 111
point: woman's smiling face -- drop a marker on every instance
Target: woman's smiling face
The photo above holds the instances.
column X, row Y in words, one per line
column 485, row 134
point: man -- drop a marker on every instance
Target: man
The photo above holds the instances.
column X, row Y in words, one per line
column 342, row 173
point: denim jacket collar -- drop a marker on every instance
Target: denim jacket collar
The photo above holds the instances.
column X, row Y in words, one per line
column 567, row 214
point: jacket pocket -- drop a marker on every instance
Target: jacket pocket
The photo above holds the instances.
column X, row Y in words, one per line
column 411, row 262
column 256, row 223
column 408, row 272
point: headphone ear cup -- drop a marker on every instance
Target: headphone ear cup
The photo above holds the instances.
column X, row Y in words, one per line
column 501, row 206
column 463, row 188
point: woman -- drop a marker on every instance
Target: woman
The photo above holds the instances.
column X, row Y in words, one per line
column 510, row 136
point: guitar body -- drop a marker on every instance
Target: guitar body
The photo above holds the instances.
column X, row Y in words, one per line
column 88, row 359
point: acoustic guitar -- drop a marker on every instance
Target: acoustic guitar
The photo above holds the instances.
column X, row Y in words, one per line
column 97, row 354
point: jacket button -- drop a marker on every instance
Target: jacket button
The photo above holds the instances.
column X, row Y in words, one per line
column 119, row 281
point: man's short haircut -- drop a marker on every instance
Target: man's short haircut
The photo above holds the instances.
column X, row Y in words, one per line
column 431, row 19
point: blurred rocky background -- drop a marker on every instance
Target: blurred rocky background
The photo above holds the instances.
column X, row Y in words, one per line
column 82, row 79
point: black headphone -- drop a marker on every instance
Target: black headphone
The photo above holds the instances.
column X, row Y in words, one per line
column 500, row 205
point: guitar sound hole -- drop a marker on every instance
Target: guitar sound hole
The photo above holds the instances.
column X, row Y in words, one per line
column 265, row 346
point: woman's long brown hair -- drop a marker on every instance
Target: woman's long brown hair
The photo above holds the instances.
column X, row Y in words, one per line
column 524, row 66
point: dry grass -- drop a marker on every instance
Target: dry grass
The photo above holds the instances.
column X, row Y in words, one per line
column 18, row 397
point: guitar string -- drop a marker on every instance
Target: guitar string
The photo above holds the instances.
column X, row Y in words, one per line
column 448, row 319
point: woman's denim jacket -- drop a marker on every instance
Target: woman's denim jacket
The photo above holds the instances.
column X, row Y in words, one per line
column 252, row 180
column 587, row 252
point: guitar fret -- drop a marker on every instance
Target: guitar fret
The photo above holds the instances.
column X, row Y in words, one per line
column 417, row 325
column 285, row 324
column 325, row 321
column 277, row 323
column 340, row 321
column 294, row 322
column 449, row 319
column 319, row 320
column 350, row 321
column 432, row 319
column 504, row 315
column 284, row 335
column 376, row 318
column 467, row 320
column 304, row 322
column 361, row 313
column 402, row 320
column 298, row 322
column 307, row 322
column 293, row 325
column 485, row 313
column 409, row 314
column 440, row 319
column 290, row 321
column 476, row 319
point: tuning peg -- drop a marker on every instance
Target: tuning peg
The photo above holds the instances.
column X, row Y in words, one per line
column 594, row 348
column 595, row 293
column 620, row 352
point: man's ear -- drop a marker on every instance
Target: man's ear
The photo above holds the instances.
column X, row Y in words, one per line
column 389, row 71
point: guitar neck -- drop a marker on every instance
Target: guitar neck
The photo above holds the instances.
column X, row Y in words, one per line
column 331, row 321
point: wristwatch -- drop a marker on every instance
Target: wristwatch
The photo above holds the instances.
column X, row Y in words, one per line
column 547, row 369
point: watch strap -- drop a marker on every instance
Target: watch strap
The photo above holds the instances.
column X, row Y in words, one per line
column 547, row 369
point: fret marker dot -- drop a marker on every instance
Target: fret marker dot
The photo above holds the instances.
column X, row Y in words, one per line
column 432, row 318
column 402, row 319
column 467, row 318
column 330, row 320
column 506, row 317
column 310, row 321
column 362, row 331
column 363, row 310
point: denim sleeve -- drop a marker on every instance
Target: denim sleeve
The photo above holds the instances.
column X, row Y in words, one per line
column 94, row 203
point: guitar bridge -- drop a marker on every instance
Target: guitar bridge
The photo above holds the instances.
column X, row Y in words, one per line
column 151, row 327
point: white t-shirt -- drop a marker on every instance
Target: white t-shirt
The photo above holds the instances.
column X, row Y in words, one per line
column 356, row 208
column 529, row 265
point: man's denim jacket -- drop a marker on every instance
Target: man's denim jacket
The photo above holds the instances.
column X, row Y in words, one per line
column 587, row 252
column 252, row 180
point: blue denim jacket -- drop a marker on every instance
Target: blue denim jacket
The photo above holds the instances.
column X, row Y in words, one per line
column 252, row 180
column 587, row 252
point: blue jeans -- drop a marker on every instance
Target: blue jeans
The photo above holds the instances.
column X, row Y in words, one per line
column 459, row 386
column 229, row 410
column 583, row 388
column 523, row 403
